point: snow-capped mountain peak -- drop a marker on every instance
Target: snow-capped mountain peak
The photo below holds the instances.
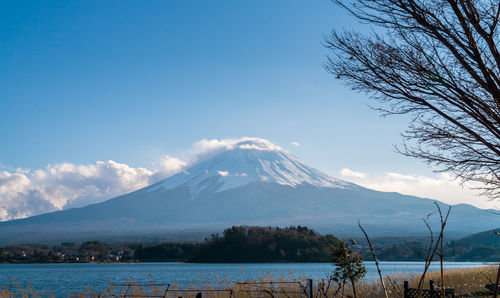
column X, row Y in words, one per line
column 242, row 182
column 245, row 161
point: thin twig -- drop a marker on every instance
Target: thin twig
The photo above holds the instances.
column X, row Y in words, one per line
column 393, row 286
column 375, row 258
column 495, row 293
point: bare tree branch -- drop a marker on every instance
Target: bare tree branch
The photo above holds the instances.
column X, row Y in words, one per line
column 438, row 61
column 375, row 258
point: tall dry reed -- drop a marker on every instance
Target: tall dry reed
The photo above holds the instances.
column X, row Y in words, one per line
column 463, row 280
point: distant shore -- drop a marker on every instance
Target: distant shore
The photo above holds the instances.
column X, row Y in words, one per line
column 245, row 244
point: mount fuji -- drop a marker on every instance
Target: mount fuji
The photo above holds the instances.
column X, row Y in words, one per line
column 248, row 182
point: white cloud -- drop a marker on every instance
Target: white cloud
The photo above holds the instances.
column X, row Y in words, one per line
column 205, row 145
column 441, row 187
column 223, row 173
column 171, row 164
column 3, row 213
column 24, row 193
column 215, row 145
column 17, row 197
column 350, row 173
column 165, row 167
column 296, row 144
column 398, row 176
column 64, row 185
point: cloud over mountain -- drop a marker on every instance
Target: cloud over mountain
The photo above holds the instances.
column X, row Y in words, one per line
column 250, row 182
column 440, row 187
column 24, row 193
column 64, row 185
column 345, row 172
column 60, row 186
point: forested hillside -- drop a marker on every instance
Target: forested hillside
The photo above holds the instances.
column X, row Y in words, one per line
column 248, row 244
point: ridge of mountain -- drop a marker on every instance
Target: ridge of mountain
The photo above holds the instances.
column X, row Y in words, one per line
column 485, row 238
column 250, row 160
column 250, row 182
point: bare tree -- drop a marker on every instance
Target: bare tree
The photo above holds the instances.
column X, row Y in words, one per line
column 435, row 248
column 438, row 61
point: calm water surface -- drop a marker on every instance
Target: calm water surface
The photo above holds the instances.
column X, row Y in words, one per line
column 63, row 279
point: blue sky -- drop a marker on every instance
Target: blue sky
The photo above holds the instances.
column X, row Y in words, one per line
column 122, row 80
column 132, row 81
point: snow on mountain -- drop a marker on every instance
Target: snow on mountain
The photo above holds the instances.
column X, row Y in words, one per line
column 248, row 181
column 245, row 161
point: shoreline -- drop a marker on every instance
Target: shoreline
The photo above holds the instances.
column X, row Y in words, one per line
column 464, row 280
column 246, row 262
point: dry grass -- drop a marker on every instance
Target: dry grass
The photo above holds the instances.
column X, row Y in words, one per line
column 463, row 280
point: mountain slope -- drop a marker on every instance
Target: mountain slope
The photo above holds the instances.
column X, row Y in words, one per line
column 251, row 182
column 486, row 238
column 251, row 160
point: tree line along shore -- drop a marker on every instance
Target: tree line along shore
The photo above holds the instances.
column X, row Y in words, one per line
column 248, row 244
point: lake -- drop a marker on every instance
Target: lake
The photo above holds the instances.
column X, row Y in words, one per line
column 63, row 279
